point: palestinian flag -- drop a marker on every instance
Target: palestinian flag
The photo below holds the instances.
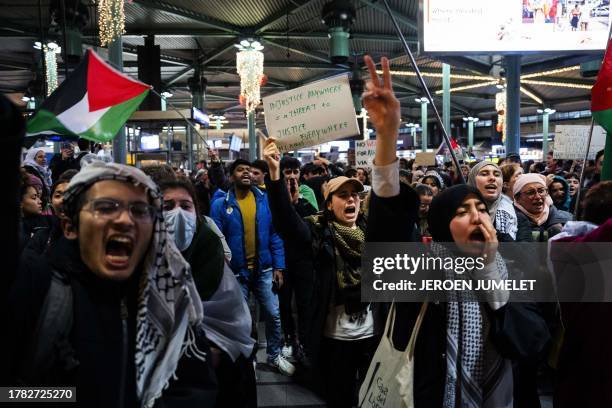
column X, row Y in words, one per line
column 94, row 102
column 601, row 107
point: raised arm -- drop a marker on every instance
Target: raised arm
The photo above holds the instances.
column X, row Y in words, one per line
column 287, row 222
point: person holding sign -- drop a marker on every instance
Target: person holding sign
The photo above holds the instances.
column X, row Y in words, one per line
column 342, row 330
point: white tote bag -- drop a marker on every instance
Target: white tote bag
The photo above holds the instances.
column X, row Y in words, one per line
column 389, row 381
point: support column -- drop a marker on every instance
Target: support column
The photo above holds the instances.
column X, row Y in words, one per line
column 115, row 56
column 252, row 137
column 470, row 135
column 446, row 103
column 513, row 103
column 545, row 135
column 424, row 125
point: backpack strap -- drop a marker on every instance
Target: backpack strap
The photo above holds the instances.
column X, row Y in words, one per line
column 50, row 345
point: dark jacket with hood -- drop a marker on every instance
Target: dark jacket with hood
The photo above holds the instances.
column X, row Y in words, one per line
column 565, row 204
column 101, row 346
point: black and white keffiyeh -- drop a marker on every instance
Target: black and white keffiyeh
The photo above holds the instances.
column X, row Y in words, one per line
column 475, row 372
column 169, row 307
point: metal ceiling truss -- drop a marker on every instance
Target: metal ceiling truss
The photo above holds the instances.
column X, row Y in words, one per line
column 187, row 13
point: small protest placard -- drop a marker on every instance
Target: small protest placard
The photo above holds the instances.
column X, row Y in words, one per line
column 312, row 114
column 425, row 159
column 571, row 141
column 364, row 153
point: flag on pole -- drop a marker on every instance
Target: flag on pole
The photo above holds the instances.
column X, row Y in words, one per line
column 94, row 102
column 601, row 107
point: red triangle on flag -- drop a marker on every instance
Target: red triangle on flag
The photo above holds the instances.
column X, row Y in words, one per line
column 108, row 87
column 601, row 94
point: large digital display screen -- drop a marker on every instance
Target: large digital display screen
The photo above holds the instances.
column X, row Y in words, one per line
column 513, row 26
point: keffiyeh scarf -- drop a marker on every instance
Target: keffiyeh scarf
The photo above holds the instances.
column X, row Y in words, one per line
column 476, row 375
column 169, row 307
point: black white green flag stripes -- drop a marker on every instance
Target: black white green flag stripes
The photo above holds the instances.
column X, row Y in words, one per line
column 92, row 103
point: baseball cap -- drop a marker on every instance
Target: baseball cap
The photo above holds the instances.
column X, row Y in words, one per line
column 336, row 183
column 67, row 145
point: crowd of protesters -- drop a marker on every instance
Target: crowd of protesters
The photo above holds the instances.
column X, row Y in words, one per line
column 134, row 285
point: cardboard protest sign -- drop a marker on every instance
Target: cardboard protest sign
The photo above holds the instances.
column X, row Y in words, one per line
column 425, row 159
column 364, row 153
column 571, row 141
column 312, row 114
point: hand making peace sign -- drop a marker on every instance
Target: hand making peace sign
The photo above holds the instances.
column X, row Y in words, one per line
column 384, row 110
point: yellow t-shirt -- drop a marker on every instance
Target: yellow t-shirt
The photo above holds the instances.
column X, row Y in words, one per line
column 248, row 209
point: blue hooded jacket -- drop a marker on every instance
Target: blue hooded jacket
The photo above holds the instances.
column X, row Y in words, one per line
column 565, row 205
column 226, row 214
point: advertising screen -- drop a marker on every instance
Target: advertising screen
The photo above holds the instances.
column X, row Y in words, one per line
column 149, row 142
column 513, row 26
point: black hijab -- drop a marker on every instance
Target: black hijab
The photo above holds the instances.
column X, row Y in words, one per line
column 443, row 207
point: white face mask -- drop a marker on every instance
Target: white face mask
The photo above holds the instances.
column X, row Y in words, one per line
column 182, row 225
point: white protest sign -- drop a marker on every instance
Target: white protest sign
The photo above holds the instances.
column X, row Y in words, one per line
column 364, row 153
column 312, row 114
column 571, row 141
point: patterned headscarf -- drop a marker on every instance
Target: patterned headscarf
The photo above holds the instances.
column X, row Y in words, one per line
column 169, row 307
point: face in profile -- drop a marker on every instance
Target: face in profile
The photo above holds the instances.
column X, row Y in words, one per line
column 31, row 204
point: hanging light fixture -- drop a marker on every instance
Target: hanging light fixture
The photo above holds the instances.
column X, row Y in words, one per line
column 500, row 107
column 50, row 50
column 111, row 20
column 249, row 64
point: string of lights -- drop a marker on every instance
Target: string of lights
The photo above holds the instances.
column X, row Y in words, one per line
column 111, row 20
column 531, row 95
column 471, row 86
column 551, row 72
column 559, row 84
column 439, row 75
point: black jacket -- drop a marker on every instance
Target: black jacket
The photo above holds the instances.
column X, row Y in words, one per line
column 517, row 330
column 58, row 166
column 542, row 233
column 102, row 337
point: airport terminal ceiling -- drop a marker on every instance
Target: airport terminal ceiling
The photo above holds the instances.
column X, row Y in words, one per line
column 200, row 36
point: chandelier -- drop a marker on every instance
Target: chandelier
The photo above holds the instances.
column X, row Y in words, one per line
column 249, row 64
column 50, row 50
column 111, row 20
column 500, row 107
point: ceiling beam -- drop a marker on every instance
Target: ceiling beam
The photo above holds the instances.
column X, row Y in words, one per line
column 286, row 65
column 561, row 62
column 467, row 63
column 187, row 13
column 295, row 7
column 310, row 54
column 399, row 16
column 178, row 76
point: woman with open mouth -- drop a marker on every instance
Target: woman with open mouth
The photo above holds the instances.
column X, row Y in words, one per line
column 533, row 202
column 487, row 177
